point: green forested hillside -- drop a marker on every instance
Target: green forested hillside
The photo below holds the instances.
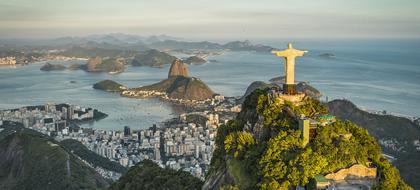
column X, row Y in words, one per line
column 262, row 148
column 148, row 175
column 30, row 160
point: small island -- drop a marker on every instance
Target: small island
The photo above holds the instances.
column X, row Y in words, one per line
column 52, row 67
column 109, row 86
column 195, row 60
column 327, row 55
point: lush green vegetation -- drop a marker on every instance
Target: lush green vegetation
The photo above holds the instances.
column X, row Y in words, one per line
column 148, row 175
column 108, row 85
column 153, row 58
column 278, row 160
column 30, row 160
column 237, row 143
column 80, row 150
column 387, row 127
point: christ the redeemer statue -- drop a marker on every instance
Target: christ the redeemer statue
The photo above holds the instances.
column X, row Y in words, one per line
column 289, row 54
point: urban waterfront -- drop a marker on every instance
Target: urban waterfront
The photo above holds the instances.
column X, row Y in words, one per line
column 356, row 73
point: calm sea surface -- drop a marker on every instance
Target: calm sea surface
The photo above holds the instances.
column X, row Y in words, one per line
column 375, row 75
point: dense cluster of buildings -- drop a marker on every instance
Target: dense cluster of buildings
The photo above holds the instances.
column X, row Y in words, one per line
column 7, row 60
column 164, row 96
column 50, row 119
column 183, row 143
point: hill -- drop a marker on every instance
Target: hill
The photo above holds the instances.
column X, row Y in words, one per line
column 247, row 46
column 254, row 86
column 148, row 175
column 97, row 64
column 180, row 87
column 87, row 52
column 153, row 58
column 30, row 160
column 175, row 44
column 94, row 159
column 109, row 86
column 402, row 131
column 264, row 148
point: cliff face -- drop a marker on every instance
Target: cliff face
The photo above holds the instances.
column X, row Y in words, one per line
column 30, row 160
column 178, row 68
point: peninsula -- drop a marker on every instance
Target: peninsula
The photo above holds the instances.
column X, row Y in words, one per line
column 178, row 87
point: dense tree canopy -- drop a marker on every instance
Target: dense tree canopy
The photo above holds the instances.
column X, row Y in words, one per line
column 148, row 175
column 282, row 161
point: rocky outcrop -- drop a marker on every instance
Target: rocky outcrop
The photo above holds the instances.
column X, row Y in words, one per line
column 93, row 63
column 302, row 87
column 178, row 68
column 52, row 67
column 309, row 90
column 254, row 86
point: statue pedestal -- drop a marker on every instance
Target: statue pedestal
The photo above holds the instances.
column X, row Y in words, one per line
column 295, row 99
column 289, row 89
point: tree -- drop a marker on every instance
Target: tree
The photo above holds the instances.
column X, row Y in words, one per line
column 237, row 143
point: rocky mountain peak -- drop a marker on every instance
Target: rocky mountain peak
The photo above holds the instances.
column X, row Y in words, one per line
column 178, row 68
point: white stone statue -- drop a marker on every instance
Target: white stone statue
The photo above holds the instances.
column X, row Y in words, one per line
column 289, row 55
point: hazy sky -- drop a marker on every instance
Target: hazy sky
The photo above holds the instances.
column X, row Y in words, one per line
column 212, row 18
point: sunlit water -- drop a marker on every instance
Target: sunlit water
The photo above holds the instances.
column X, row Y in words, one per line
column 376, row 75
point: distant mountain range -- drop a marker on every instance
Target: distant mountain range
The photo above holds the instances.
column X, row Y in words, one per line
column 119, row 41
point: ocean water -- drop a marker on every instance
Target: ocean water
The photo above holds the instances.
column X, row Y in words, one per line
column 374, row 74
